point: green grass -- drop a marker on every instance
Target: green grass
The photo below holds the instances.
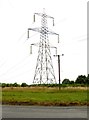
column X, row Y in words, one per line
column 42, row 96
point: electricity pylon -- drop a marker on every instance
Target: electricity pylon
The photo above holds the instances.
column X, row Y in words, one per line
column 44, row 72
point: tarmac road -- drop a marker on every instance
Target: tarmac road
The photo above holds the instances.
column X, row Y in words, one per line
column 11, row 111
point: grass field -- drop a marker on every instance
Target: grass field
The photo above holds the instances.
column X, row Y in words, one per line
column 44, row 96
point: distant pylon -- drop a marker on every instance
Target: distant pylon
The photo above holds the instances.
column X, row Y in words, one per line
column 44, row 72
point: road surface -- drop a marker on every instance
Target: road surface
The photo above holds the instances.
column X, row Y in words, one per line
column 9, row 111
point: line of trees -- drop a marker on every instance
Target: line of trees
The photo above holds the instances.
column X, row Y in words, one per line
column 13, row 85
column 81, row 80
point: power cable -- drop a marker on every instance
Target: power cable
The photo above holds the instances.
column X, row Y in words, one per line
column 14, row 66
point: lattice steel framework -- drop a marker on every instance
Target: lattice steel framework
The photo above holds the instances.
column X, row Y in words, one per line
column 44, row 72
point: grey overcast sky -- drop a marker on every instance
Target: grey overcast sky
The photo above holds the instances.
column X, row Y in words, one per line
column 16, row 16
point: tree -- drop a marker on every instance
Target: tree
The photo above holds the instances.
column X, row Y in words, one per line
column 24, row 85
column 72, row 82
column 15, row 85
column 3, row 85
column 7, row 85
column 66, row 81
column 87, row 80
column 81, row 79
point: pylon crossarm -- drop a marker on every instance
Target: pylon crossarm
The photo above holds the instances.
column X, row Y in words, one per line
column 35, row 29
column 40, row 14
column 53, row 33
column 35, row 44
column 53, row 47
column 41, row 31
column 43, row 14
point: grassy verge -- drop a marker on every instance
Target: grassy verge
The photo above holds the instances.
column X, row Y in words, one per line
column 44, row 96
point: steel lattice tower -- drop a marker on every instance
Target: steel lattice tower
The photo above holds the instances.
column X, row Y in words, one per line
column 44, row 72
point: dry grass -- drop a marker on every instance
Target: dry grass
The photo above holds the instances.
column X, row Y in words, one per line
column 45, row 96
